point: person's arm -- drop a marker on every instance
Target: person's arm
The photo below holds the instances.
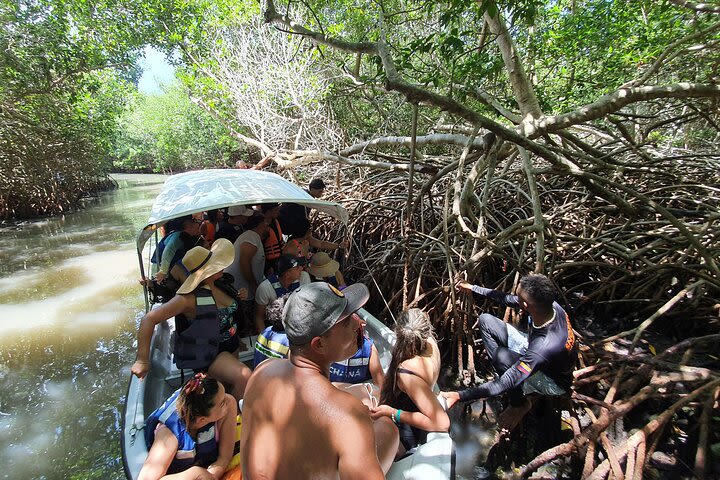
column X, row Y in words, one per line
column 355, row 440
column 340, row 279
column 247, row 252
column 160, row 457
column 513, row 376
column 431, row 416
column 226, row 443
column 176, row 305
column 496, row 296
column 323, row 245
column 260, row 317
column 376, row 371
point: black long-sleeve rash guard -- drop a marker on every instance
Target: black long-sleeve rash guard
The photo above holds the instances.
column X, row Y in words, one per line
column 551, row 350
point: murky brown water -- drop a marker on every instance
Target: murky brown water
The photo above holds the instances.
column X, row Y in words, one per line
column 69, row 299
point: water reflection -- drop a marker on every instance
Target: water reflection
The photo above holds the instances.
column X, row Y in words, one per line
column 68, row 303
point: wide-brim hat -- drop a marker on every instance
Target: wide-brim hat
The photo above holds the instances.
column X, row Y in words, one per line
column 321, row 265
column 203, row 263
column 314, row 308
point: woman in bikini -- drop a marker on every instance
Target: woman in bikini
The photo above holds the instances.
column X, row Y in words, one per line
column 407, row 396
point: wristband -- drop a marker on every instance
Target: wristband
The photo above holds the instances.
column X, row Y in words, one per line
column 398, row 412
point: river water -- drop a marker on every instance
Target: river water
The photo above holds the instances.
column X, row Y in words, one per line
column 69, row 300
column 69, row 306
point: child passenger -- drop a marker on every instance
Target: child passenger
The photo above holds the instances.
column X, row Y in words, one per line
column 192, row 433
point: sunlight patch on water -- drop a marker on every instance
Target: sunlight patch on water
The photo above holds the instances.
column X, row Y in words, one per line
column 79, row 293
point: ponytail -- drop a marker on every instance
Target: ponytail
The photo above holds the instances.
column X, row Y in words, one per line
column 196, row 398
column 412, row 331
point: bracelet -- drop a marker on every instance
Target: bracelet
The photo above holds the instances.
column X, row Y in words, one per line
column 396, row 418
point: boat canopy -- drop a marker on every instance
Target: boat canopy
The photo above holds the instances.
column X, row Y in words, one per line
column 198, row 191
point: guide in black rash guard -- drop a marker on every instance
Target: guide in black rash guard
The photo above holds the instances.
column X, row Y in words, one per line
column 550, row 352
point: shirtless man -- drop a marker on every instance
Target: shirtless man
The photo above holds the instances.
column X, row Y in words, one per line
column 296, row 424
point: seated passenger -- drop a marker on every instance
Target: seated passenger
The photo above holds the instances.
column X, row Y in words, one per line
column 272, row 342
column 209, row 225
column 206, row 333
column 249, row 265
column 322, row 268
column 302, row 239
column 298, row 244
column 172, row 248
column 289, row 276
column 407, row 396
column 296, row 425
column 363, row 366
column 193, row 432
column 273, row 243
column 233, row 226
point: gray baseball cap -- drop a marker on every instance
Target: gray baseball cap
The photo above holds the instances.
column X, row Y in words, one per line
column 314, row 308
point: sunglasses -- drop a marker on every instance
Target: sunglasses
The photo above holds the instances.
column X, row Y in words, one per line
column 369, row 390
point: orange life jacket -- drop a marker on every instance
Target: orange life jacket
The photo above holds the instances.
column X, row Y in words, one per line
column 273, row 243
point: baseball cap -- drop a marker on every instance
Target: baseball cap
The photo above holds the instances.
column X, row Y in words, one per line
column 286, row 262
column 237, row 210
column 314, row 308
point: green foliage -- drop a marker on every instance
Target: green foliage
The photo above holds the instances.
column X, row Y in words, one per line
column 65, row 73
column 165, row 133
column 574, row 50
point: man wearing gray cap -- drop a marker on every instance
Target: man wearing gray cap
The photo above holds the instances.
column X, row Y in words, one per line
column 296, row 424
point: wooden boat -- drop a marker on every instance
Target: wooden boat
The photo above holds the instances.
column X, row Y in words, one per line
column 199, row 191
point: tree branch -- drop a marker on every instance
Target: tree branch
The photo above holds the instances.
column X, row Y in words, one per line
column 433, row 139
column 615, row 101
column 524, row 92
column 272, row 16
column 698, row 7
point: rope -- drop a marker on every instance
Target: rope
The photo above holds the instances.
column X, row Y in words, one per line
column 352, row 243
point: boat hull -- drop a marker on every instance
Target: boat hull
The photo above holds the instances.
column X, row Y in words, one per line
column 432, row 460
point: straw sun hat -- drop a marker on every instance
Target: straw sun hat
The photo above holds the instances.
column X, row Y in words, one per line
column 321, row 265
column 203, row 263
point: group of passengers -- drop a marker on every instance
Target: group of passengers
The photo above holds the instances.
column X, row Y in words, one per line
column 317, row 404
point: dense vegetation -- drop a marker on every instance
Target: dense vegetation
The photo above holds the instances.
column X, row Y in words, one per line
column 69, row 107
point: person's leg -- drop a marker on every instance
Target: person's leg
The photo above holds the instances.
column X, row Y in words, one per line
column 505, row 345
column 229, row 370
column 387, row 440
column 493, row 333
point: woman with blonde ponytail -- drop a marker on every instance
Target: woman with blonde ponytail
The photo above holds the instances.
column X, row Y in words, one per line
column 407, row 396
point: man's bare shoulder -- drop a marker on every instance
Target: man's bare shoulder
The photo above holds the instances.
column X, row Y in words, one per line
column 343, row 409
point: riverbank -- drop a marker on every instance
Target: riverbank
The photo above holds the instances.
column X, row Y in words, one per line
column 49, row 194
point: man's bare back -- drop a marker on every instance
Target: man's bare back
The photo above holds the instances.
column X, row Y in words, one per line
column 297, row 425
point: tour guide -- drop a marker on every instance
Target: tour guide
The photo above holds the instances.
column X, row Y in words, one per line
column 541, row 362
column 296, row 424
